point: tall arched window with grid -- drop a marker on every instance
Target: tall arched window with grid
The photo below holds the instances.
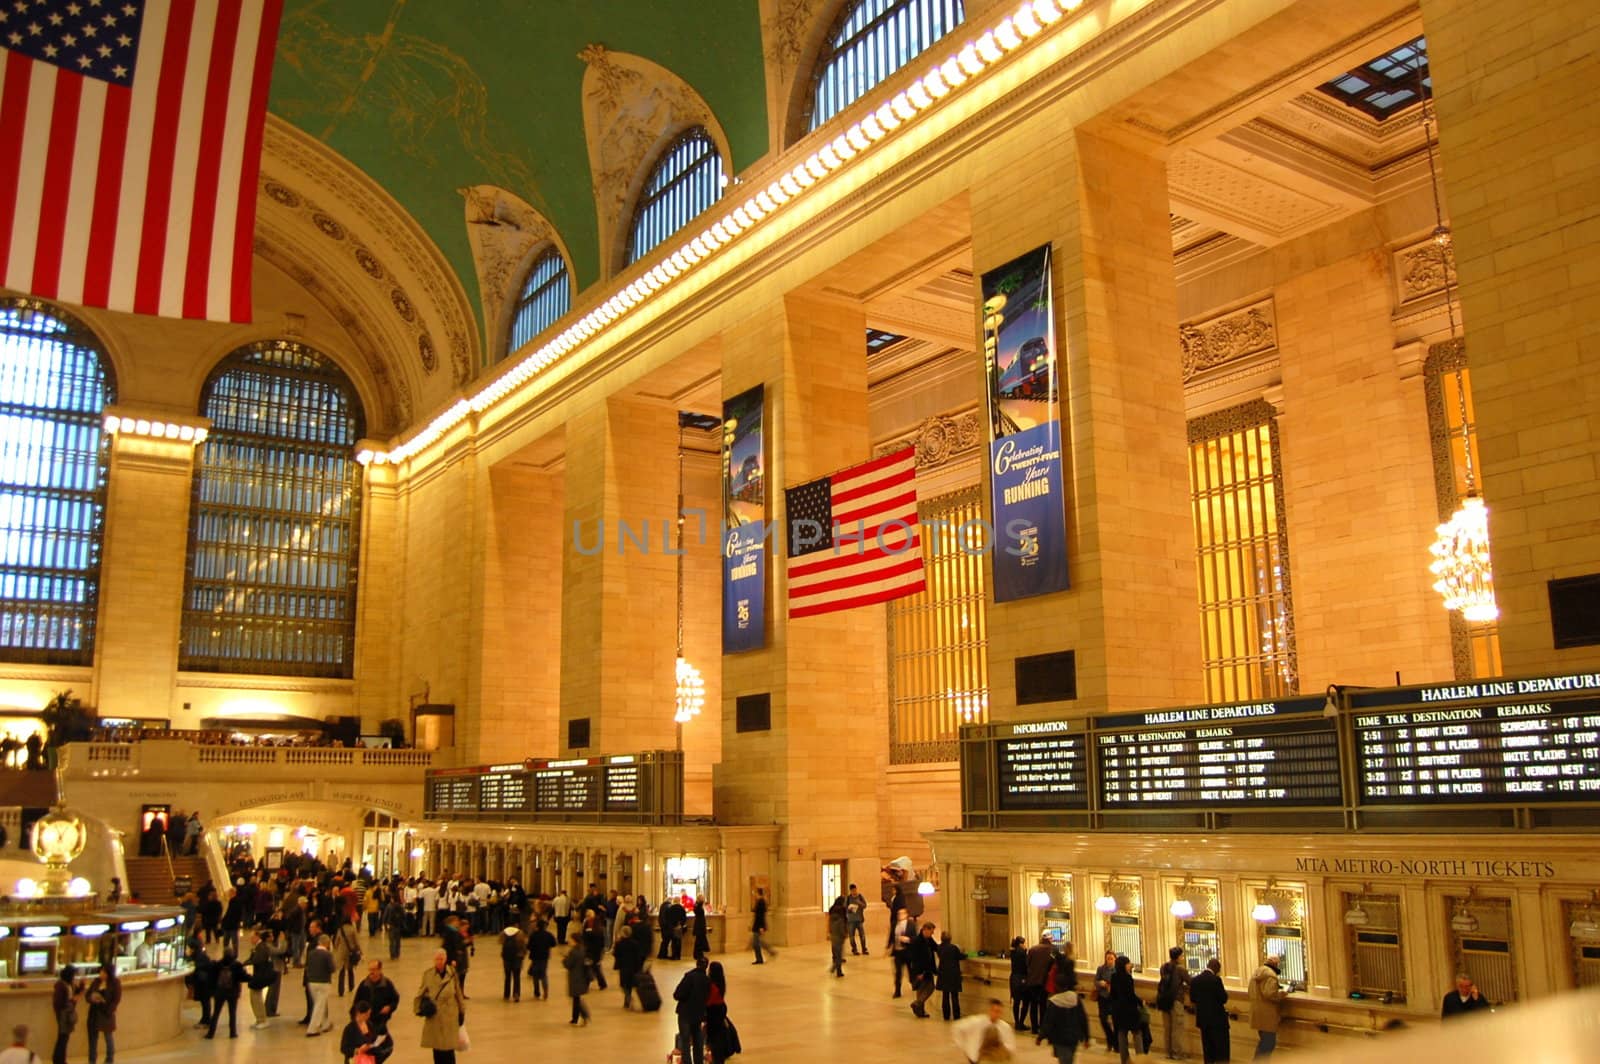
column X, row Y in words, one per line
column 870, row 40
column 54, row 386
column 686, row 179
column 275, row 521
column 545, row 296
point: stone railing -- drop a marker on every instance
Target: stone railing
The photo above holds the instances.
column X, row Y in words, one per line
column 155, row 753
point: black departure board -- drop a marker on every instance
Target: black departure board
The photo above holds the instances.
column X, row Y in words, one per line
column 1043, row 770
column 453, row 793
column 568, row 789
column 1223, row 756
column 1508, row 751
column 622, row 785
column 503, row 792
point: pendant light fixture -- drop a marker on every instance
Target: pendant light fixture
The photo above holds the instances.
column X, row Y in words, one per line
column 1461, row 566
column 690, row 693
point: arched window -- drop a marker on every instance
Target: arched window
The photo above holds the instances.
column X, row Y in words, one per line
column 871, row 40
column 546, row 295
column 276, row 517
column 687, row 179
column 54, row 385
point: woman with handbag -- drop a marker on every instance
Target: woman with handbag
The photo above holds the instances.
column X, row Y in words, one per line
column 64, row 1002
column 346, row 955
column 363, row 1041
column 104, row 995
column 439, row 1004
column 722, row 1038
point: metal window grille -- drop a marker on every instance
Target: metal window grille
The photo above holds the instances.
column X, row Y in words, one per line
column 871, row 40
column 546, row 296
column 1376, row 948
column 686, row 179
column 1488, row 953
column 277, row 494
column 54, row 386
column 1242, row 554
column 938, row 640
column 1475, row 647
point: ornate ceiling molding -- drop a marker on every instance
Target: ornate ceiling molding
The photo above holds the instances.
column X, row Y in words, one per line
column 428, row 313
column 791, row 32
column 1212, row 342
column 506, row 233
column 632, row 108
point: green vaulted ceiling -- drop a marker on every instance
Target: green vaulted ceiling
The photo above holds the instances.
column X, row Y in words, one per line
column 428, row 96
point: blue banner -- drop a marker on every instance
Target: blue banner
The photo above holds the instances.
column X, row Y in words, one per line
column 744, row 586
column 744, row 522
column 1025, row 483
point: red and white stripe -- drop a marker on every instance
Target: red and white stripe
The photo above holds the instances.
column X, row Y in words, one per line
column 887, row 561
column 141, row 198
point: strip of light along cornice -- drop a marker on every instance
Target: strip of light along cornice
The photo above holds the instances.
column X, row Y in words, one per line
column 970, row 63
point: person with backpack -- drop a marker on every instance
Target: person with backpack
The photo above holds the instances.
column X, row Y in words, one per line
column 227, row 984
column 1171, row 989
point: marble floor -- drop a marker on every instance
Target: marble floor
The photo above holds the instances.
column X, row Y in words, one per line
column 786, row 1010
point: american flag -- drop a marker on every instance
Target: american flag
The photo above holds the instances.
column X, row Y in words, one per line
column 854, row 538
column 130, row 140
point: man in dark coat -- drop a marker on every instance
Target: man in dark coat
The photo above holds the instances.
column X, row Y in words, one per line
column 1040, row 959
column 1210, row 1000
column 923, row 964
column 949, row 978
column 1464, row 999
column 379, row 991
column 667, row 916
column 693, row 990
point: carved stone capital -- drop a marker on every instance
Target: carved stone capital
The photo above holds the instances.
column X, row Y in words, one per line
column 1215, row 341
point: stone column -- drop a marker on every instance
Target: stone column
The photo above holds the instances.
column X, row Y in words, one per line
column 818, row 769
column 142, row 570
column 1516, row 134
column 1131, row 614
column 619, row 583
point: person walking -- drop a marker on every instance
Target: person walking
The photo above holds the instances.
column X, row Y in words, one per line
column 722, row 1038
column 64, row 1003
column 902, row 934
column 378, row 992
column 758, row 926
column 1125, row 1007
column 1267, row 996
column 594, row 946
column 692, row 994
column 428, row 898
column 261, row 976
column 629, row 956
column 950, row 958
column 985, row 1036
column 923, row 964
column 104, row 995
column 1171, row 990
column 540, row 944
column 513, row 947
column 576, row 962
column 227, row 985
column 1041, row 958
column 393, row 920
column 1102, row 997
column 319, row 982
column 838, row 928
column 443, row 1014
column 1210, row 999
column 855, row 916
column 346, row 955
column 364, row 1036
column 458, row 947
column 278, row 949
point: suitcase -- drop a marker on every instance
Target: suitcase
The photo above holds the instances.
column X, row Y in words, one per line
column 644, row 984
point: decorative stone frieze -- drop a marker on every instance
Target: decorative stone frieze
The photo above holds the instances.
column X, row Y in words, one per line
column 1216, row 341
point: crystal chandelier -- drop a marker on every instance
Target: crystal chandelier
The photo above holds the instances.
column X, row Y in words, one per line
column 690, row 692
column 1460, row 550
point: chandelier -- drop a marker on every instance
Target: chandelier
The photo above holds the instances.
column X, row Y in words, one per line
column 1461, row 567
column 690, row 688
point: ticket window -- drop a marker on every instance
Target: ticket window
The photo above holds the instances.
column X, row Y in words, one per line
column 1583, row 929
column 687, row 876
column 1373, row 939
column 832, row 883
column 991, row 895
column 1120, row 903
column 1280, row 916
column 1482, row 945
column 1194, row 908
column 1051, row 898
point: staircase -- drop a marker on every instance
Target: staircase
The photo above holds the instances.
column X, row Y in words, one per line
column 150, row 882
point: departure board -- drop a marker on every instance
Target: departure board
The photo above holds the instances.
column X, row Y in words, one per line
column 452, row 793
column 503, row 792
column 566, row 790
column 1043, row 771
column 1510, row 751
column 1223, row 756
column 622, row 785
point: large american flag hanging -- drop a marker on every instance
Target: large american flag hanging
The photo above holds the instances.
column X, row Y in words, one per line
column 130, row 141
column 853, row 537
